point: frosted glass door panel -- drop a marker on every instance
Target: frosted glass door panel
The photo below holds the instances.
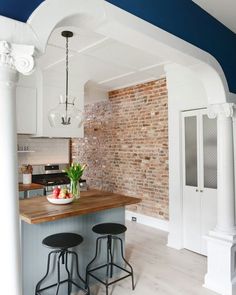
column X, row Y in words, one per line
column 191, row 151
column 210, row 152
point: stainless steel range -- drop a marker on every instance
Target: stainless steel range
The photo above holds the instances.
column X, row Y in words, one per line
column 51, row 176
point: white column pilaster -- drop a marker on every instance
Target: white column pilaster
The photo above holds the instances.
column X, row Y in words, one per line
column 225, row 168
column 13, row 59
column 221, row 242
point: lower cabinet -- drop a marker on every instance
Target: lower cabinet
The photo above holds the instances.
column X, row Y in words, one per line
column 34, row 193
column 21, row 195
column 31, row 193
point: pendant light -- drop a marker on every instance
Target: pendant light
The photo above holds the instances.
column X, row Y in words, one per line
column 66, row 113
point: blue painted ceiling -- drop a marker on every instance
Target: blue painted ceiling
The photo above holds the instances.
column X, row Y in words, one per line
column 182, row 18
column 18, row 9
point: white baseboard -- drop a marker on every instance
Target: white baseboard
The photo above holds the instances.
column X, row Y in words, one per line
column 147, row 220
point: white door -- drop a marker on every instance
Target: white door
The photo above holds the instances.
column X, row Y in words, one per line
column 200, row 178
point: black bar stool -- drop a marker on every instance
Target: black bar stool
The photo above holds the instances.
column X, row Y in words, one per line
column 109, row 232
column 62, row 242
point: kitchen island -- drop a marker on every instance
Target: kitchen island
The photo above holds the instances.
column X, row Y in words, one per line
column 39, row 218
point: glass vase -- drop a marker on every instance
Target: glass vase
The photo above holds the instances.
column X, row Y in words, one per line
column 74, row 188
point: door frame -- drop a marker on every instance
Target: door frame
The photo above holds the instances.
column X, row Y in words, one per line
column 186, row 93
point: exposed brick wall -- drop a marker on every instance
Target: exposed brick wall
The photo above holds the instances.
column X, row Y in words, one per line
column 126, row 145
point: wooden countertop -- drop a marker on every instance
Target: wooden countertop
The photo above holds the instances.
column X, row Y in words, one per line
column 39, row 210
column 28, row 187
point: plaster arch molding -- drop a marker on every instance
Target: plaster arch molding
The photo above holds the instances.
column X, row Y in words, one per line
column 107, row 19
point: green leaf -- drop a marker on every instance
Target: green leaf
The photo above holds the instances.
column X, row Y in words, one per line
column 75, row 171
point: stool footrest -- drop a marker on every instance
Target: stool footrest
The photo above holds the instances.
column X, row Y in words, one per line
column 114, row 281
column 62, row 282
column 50, row 286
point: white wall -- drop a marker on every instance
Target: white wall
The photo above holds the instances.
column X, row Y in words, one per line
column 185, row 92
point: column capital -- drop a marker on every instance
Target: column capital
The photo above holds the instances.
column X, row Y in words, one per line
column 224, row 109
column 17, row 57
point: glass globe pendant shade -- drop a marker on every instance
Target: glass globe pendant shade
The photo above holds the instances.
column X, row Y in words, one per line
column 66, row 114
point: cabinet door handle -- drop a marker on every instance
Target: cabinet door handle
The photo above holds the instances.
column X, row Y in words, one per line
column 196, row 190
column 201, row 191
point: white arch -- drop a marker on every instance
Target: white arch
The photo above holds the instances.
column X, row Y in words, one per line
column 51, row 14
column 107, row 19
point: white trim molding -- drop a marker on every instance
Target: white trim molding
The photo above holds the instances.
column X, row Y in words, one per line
column 17, row 57
column 148, row 220
column 226, row 109
column 14, row 59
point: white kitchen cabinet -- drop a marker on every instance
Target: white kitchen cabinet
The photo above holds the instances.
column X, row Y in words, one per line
column 26, row 110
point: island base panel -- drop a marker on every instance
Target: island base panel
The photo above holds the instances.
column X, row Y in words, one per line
column 35, row 254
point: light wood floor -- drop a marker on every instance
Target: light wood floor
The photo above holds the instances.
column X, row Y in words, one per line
column 159, row 270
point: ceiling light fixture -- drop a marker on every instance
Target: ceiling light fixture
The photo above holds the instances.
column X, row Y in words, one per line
column 66, row 113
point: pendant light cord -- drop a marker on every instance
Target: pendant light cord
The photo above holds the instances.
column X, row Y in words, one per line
column 67, row 71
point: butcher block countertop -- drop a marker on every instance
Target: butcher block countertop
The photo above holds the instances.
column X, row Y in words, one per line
column 29, row 187
column 38, row 209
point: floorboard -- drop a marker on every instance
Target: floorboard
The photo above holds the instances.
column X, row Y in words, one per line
column 158, row 269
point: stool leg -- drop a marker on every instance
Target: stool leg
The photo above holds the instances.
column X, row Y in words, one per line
column 47, row 271
column 77, row 266
column 78, row 274
column 108, row 258
column 58, row 272
column 95, row 257
column 122, row 255
column 69, row 275
column 110, row 250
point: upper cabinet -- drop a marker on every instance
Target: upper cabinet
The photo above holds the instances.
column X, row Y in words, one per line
column 26, row 110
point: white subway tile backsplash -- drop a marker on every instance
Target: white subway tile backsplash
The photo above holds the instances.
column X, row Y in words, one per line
column 44, row 150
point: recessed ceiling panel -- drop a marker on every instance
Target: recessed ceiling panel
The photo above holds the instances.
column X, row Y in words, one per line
column 87, row 66
column 128, row 80
column 52, row 55
column 81, row 39
column 121, row 54
column 97, row 69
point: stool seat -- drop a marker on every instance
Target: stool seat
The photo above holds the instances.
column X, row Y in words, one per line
column 109, row 228
column 62, row 241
